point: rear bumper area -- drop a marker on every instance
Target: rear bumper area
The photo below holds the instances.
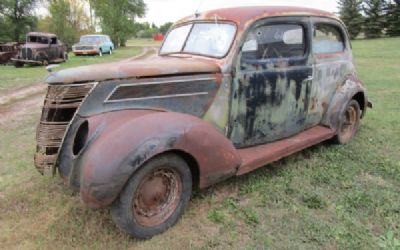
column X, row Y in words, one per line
column 85, row 52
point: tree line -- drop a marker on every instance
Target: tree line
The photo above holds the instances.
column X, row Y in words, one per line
column 70, row 19
column 373, row 18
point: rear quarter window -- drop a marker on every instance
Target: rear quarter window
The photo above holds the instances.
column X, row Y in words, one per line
column 327, row 38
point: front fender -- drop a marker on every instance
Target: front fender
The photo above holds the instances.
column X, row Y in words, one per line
column 123, row 147
column 348, row 90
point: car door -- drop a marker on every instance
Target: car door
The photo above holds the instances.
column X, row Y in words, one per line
column 103, row 45
column 54, row 49
column 331, row 55
column 110, row 43
column 272, row 82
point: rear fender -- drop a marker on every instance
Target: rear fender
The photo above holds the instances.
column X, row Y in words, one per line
column 123, row 147
column 352, row 87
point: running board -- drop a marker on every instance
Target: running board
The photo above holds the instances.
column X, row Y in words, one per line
column 259, row 156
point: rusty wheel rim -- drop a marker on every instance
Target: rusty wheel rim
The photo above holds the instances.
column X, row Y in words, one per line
column 349, row 123
column 157, row 197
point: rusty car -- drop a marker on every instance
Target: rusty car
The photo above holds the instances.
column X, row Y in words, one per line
column 41, row 49
column 8, row 51
column 230, row 91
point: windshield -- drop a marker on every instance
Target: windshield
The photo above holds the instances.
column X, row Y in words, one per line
column 91, row 39
column 209, row 39
column 38, row 39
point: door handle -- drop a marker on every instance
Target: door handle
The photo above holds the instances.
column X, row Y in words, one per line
column 309, row 78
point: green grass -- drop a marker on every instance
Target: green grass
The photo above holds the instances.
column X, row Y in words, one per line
column 12, row 78
column 325, row 197
column 142, row 42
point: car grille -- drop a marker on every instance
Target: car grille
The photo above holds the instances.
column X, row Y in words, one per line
column 26, row 53
column 83, row 47
column 60, row 106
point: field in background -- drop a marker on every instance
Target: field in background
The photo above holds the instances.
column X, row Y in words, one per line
column 142, row 42
column 326, row 197
column 12, row 78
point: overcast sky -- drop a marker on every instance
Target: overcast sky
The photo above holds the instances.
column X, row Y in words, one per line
column 162, row 11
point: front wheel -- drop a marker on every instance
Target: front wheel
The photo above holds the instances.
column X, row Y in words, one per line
column 154, row 198
column 19, row 64
column 349, row 123
column 100, row 53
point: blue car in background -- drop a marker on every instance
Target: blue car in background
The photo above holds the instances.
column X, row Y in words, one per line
column 93, row 45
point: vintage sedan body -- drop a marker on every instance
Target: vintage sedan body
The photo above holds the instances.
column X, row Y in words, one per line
column 230, row 91
column 41, row 49
column 93, row 45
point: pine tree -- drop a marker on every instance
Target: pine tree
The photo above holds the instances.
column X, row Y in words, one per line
column 374, row 18
column 350, row 13
column 393, row 19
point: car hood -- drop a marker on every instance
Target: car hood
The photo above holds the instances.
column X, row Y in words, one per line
column 158, row 66
column 87, row 44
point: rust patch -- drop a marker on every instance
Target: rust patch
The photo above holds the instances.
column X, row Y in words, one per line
column 246, row 15
column 59, row 107
column 157, row 197
column 8, row 51
column 256, row 157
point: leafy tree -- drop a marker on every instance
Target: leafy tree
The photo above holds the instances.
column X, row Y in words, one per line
column 3, row 26
column 375, row 18
column 165, row 27
column 60, row 11
column 350, row 13
column 393, row 18
column 17, row 18
column 44, row 24
column 68, row 20
column 117, row 17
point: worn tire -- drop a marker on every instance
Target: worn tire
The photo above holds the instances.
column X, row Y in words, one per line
column 19, row 64
column 100, row 53
column 110, row 52
column 65, row 56
column 144, row 208
column 349, row 123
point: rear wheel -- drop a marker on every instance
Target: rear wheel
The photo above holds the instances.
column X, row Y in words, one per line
column 154, row 198
column 65, row 56
column 349, row 123
column 111, row 51
column 19, row 64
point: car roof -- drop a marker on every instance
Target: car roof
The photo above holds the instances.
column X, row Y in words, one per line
column 243, row 16
column 93, row 35
column 41, row 34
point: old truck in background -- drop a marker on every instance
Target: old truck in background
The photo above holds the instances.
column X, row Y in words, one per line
column 8, row 51
column 41, row 49
column 230, row 91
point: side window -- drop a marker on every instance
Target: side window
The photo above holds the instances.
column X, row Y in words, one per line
column 327, row 39
column 54, row 40
column 274, row 41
